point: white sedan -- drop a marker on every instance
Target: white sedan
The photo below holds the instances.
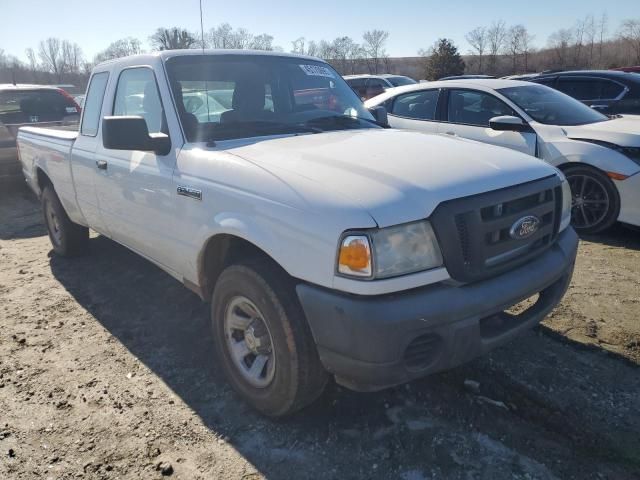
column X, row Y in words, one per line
column 599, row 155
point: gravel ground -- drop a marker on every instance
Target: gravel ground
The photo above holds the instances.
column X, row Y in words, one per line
column 106, row 371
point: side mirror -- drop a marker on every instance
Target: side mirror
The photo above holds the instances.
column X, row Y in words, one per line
column 380, row 114
column 131, row 133
column 508, row 123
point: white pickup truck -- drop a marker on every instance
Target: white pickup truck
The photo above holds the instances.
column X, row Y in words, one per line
column 326, row 244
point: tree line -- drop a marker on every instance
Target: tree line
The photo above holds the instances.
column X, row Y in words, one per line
column 496, row 49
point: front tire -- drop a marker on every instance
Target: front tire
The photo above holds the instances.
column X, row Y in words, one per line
column 263, row 341
column 595, row 202
column 67, row 238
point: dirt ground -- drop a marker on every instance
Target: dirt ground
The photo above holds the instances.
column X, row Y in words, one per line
column 106, row 371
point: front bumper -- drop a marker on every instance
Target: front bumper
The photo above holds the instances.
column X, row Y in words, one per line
column 629, row 190
column 370, row 343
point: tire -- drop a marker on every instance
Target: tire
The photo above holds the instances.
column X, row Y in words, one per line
column 595, row 200
column 67, row 238
column 295, row 377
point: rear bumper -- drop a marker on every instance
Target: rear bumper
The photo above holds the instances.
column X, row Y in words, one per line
column 370, row 343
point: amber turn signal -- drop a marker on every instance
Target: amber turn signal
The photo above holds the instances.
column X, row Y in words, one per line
column 355, row 256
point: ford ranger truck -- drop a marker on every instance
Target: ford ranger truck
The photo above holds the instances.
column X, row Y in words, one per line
column 326, row 244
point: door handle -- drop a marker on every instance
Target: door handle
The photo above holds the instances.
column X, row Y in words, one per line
column 450, row 133
column 598, row 106
column 102, row 164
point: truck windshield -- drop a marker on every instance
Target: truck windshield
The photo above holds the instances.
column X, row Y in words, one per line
column 220, row 97
column 549, row 106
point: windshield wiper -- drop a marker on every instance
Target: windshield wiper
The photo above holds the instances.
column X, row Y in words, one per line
column 234, row 130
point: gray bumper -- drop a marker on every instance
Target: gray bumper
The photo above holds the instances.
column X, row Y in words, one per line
column 370, row 343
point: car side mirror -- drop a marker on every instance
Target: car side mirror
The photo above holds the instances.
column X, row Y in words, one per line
column 380, row 114
column 507, row 123
column 131, row 133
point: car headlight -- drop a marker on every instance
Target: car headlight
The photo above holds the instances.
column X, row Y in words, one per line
column 389, row 252
column 632, row 153
column 565, row 217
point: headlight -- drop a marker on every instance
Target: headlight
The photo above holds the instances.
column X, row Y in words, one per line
column 565, row 218
column 389, row 252
column 632, row 153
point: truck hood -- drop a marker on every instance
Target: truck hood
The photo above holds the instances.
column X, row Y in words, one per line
column 397, row 176
column 623, row 131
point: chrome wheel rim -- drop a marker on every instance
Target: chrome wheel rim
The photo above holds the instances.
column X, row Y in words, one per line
column 249, row 342
column 589, row 201
column 53, row 223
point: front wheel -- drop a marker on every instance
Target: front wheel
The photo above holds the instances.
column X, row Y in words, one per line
column 263, row 341
column 595, row 202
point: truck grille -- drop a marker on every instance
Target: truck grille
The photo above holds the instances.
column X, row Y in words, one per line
column 475, row 232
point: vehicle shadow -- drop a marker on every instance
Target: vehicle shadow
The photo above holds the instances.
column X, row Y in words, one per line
column 342, row 435
column 20, row 214
column 620, row 235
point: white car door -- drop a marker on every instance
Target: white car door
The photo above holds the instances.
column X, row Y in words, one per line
column 136, row 188
column 468, row 113
column 415, row 110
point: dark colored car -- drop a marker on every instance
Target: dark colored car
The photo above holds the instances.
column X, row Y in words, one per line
column 608, row 91
column 368, row 86
column 33, row 105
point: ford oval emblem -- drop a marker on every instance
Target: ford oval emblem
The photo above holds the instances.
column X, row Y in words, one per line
column 524, row 227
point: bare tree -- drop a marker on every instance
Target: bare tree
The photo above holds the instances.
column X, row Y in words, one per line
column 590, row 31
column 221, row 36
column 297, row 46
column 312, row 49
column 120, row 48
column 496, row 36
column 50, row 53
column 526, row 44
column 33, row 62
column 477, row 38
column 630, row 35
column 578, row 36
column 513, row 44
column 603, row 26
column 374, row 47
column 71, row 57
column 172, row 39
column 262, row 42
column 559, row 43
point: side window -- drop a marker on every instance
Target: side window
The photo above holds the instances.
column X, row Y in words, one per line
column 545, row 81
column 580, row 88
column 610, row 90
column 137, row 94
column 93, row 104
column 472, row 107
column 420, row 105
column 375, row 86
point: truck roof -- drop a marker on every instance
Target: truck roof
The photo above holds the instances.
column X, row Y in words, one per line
column 166, row 54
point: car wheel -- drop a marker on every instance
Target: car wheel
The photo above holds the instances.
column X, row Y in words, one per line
column 263, row 341
column 595, row 202
column 67, row 238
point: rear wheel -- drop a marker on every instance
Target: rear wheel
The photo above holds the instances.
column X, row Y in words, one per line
column 67, row 238
column 263, row 341
column 595, row 202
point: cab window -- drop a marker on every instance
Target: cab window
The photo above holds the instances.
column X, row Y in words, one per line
column 93, row 104
column 137, row 94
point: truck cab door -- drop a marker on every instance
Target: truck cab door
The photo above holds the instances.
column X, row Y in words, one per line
column 83, row 154
column 468, row 113
column 136, row 189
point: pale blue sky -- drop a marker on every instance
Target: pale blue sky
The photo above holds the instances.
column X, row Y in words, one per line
column 413, row 24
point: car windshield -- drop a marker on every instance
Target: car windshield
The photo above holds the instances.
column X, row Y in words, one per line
column 221, row 97
column 551, row 107
column 400, row 81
